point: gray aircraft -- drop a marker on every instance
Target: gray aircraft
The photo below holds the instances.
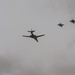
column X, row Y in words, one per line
column 32, row 35
column 72, row 21
column 60, row 24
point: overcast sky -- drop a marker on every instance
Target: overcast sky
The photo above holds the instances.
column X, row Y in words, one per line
column 54, row 54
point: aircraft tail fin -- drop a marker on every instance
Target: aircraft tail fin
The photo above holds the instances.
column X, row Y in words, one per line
column 32, row 31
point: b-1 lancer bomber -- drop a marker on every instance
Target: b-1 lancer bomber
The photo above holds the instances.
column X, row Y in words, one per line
column 33, row 36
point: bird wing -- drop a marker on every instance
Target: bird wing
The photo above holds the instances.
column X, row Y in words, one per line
column 40, row 35
column 25, row 36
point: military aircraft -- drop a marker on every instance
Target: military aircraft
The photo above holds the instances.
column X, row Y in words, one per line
column 32, row 35
column 72, row 21
column 60, row 24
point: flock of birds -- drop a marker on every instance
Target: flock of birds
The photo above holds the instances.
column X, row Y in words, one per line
column 72, row 21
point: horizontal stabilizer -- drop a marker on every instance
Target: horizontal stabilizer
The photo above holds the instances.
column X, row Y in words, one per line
column 31, row 31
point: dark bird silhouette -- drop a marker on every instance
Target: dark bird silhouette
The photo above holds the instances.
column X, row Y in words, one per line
column 60, row 24
column 72, row 21
column 32, row 35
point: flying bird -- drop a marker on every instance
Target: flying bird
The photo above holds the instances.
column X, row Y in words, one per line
column 72, row 21
column 33, row 36
column 60, row 24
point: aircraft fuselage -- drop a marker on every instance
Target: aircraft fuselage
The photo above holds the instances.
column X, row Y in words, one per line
column 34, row 37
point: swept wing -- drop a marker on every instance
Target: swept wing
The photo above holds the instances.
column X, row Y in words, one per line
column 40, row 35
column 25, row 36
